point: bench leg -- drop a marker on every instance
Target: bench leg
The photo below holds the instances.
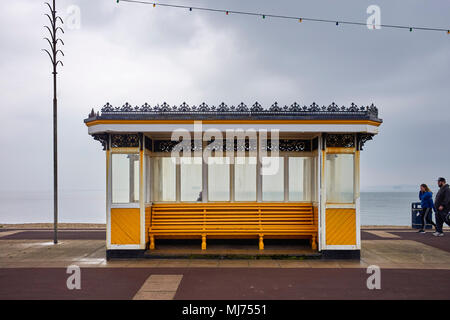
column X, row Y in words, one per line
column 313, row 243
column 152, row 242
column 204, row 242
column 261, row 242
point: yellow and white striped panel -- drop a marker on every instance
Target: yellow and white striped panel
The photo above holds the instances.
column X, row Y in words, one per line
column 340, row 227
column 125, row 226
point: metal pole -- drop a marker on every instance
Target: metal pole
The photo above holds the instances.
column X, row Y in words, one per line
column 55, row 136
column 53, row 29
column 55, row 142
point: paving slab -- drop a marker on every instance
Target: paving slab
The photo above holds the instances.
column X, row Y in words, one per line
column 403, row 252
column 159, row 287
column 383, row 234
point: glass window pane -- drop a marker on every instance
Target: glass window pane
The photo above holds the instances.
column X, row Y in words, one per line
column 313, row 178
column 339, row 173
column 125, row 178
column 272, row 178
column 164, row 179
column 297, row 179
column 245, row 179
column 191, row 179
column 218, row 179
column 148, row 174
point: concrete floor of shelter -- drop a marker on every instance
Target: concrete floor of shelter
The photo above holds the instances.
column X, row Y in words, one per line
column 232, row 248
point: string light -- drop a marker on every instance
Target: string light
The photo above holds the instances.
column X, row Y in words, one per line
column 248, row 13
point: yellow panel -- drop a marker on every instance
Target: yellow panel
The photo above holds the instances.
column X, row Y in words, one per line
column 334, row 150
column 125, row 226
column 340, row 227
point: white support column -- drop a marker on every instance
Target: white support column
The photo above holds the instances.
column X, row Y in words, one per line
column 322, row 193
column 142, row 195
column 318, row 190
column 231, row 166
column 108, row 196
column 357, row 198
column 258, row 181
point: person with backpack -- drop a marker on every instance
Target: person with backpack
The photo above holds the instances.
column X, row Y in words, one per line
column 426, row 202
column 442, row 204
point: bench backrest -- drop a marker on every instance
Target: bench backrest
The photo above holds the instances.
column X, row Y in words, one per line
column 251, row 215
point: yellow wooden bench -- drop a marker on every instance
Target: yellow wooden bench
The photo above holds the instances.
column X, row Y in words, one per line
column 224, row 220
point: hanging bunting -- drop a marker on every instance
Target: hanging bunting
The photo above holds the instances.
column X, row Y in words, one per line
column 247, row 13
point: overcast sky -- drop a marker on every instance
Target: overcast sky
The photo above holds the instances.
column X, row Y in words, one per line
column 136, row 53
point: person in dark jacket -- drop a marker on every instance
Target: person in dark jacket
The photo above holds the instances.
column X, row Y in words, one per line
column 426, row 202
column 442, row 204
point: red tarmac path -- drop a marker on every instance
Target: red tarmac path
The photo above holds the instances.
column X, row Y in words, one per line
column 230, row 283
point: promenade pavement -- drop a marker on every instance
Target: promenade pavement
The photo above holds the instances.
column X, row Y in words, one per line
column 413, row 266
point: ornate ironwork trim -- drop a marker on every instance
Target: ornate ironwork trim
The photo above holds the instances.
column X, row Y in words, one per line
column 103, row 138
column 125, row 140
column 169, row 145
column 346, row 140
column 362, row 138
column 236, row 145
column 289, row 145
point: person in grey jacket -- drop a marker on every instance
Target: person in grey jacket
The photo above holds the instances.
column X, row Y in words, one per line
column 442, row 204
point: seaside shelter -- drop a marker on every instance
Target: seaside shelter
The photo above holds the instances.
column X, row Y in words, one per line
column 231, row 172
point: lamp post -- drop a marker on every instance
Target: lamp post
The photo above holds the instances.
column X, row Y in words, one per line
column 53, row 29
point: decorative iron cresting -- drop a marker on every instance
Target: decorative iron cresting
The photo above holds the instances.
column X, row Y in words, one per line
column 222, row 108
column 345, row 140
column 125, row 140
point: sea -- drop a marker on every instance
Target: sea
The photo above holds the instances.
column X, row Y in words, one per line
column 88, row 206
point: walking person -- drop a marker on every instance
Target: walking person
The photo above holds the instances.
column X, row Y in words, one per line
column 426, row 202
column 442, row 204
